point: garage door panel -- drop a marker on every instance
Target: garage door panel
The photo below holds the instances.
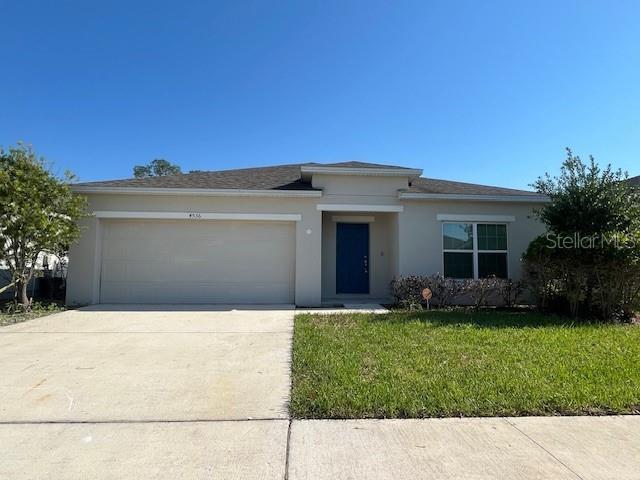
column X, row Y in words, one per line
column 197, row 262
column 166, row 292
column 199, row 272
column 194, row 271
column 116, row 270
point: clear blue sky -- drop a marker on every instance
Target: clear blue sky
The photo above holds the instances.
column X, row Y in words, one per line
column 487, row 92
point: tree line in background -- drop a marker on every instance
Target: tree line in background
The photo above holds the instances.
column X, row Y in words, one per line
column 156, row 168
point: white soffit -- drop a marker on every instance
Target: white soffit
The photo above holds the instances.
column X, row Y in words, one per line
column 455, row 217
column 353, row 218
column 330, row 207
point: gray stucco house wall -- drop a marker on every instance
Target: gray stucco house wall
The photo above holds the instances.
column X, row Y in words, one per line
column 306, row 234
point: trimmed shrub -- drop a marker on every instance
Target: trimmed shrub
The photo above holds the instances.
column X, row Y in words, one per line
column 445, row 290
column 511, row 292
column 604, row 285
column 480, row 290
column 407, row 291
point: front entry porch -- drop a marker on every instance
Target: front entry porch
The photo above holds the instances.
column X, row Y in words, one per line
column 359, row 257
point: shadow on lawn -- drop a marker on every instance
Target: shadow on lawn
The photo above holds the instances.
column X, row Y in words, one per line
column 482, row 319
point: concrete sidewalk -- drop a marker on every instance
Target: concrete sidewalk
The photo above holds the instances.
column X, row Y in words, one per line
column 474, row 448
column 541, row 448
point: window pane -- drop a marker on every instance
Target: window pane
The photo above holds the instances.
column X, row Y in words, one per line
column 492, row 236
column 458, row 236
column 492, row 264
column 458, row 265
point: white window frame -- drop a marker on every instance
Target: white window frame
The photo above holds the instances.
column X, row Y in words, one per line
column 475, row 250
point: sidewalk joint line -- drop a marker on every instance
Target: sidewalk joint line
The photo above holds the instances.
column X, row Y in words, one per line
column 543, row 448
column 286, row 460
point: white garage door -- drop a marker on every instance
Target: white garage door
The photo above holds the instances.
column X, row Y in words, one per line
column 207, row 261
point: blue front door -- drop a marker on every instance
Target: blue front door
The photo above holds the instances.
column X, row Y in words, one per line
column 352, row 258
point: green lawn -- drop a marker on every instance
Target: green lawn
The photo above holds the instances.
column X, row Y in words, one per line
column 440, row 364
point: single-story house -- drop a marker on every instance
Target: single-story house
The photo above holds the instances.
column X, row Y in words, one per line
column 308, row 234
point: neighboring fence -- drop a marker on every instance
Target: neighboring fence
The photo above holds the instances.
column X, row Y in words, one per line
column 42, row 287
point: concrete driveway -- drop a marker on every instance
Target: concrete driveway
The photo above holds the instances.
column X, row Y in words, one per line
column 186, row 388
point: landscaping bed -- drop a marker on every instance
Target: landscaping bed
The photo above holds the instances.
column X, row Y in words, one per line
column 9, row 316
column 443, row 364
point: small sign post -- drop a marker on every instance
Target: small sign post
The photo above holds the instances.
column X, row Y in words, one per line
column 427, row 294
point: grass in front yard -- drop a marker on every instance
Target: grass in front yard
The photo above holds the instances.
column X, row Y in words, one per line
column 440, row 364
column 9, row 317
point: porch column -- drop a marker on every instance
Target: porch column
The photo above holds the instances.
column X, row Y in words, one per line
column 309, row 259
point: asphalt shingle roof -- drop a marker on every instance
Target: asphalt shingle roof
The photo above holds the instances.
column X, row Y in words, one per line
column 288, row 177
column 281, row 177
column 635, row 181
column 431, row 185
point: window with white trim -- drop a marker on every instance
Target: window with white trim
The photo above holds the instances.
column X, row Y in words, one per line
column 474, row 250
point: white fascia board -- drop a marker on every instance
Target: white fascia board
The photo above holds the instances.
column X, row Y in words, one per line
column 450, row 217
column 477, row 198
column 353, row 218
column 197, row 192
column 263, row 217
column 325, row 207
column 376, row 172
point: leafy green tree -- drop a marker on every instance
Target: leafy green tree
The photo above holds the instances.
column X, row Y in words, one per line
column 38, row 214
column 590, row 257
column 157, row 168
column 588, row 199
